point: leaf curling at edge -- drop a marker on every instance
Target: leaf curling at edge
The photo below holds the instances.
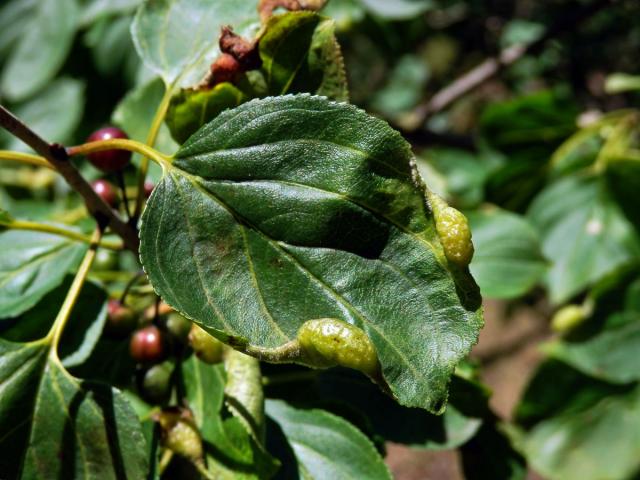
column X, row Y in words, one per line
column 291, row 208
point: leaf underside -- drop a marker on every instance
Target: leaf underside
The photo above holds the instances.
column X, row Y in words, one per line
column 292, row 208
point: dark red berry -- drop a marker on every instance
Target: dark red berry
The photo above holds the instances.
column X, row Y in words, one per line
column 147, row 345
column 110, row 160
column 121, row 320
column 105, row 191
column 148, row 188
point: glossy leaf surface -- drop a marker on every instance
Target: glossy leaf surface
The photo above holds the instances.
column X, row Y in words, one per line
column 55, row 426
column 31, row 265
column 293, row 208
column 327, row 446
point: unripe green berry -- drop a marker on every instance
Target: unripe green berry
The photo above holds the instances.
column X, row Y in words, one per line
column 207, row 348
column 180, row 434
column 178, row 326
column 568, row 318
column 453, row 230
column 327, row 342
column 156, row 383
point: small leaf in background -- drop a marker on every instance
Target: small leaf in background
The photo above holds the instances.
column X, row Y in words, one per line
column 611, row 355
column 398, row 9
column 464, row 173
column 600, row 441
column 41, row 50
column 300, row 53
column 404, row 87
column 55, row 426
column 508, row 261
column 31, row 265
column 621, row 82
column 190, row 109
column 326, row 446
column 345, row 13
column 14, row 19
column 53, row 114
column 178, row 39
column 84, row 325
column 332, row 226
column 526, row 130
column 584, row 234
column 94, row 10
column 134, row 115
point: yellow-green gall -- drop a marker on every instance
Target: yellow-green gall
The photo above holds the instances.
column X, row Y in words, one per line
column 568, row 318
column 328, row 342
column 180, row 434
column 453, row 230
column 207, row 348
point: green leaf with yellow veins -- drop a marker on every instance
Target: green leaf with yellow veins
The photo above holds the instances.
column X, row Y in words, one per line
column 294, row 208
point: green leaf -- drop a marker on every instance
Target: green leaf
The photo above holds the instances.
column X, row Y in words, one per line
column 134, row 115
column 14, row 18
column 231, row 452
column 621, row 82
column 398, row 9
column 190, row 109
column 178, row 39
column 326, row 446
column 336, row 389
column 583, row 233
column 42, row 49
column 112, row 48
column 31, row 265
column 507, row 261
column 84, row 325
column 294, row 208
column 612, row 355
column 53, row 114
column 97, row 9
column 55, row 426
column 300, row 53
column 601, row 441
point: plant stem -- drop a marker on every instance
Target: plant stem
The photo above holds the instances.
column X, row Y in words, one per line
column 59, row 158
column 151, row 140
column 63, row 232
column 54, row 335
column 27, row 158
column 119, row 144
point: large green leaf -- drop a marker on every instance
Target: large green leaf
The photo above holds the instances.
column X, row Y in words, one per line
column 300, row 53
column 179, row 38
column 602, row 441
column 583, row 232
column 42, row 49
column 54, row 426
column 294, row 208
column 507, row 262
column 31, row 265
column 84, row 325
column 326, row 446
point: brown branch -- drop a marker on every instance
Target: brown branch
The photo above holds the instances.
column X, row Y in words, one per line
column 57, row 156
column 491, row 66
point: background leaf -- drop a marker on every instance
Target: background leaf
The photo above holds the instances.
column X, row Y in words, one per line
column 31, row 265
column 507, row 261
column 326, row 446
column 179, row 38
column 293, row 208
column 583, row 233
column 42, row 49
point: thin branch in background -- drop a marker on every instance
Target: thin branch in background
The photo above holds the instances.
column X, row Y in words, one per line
column 491, row 66
column 57, row 156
